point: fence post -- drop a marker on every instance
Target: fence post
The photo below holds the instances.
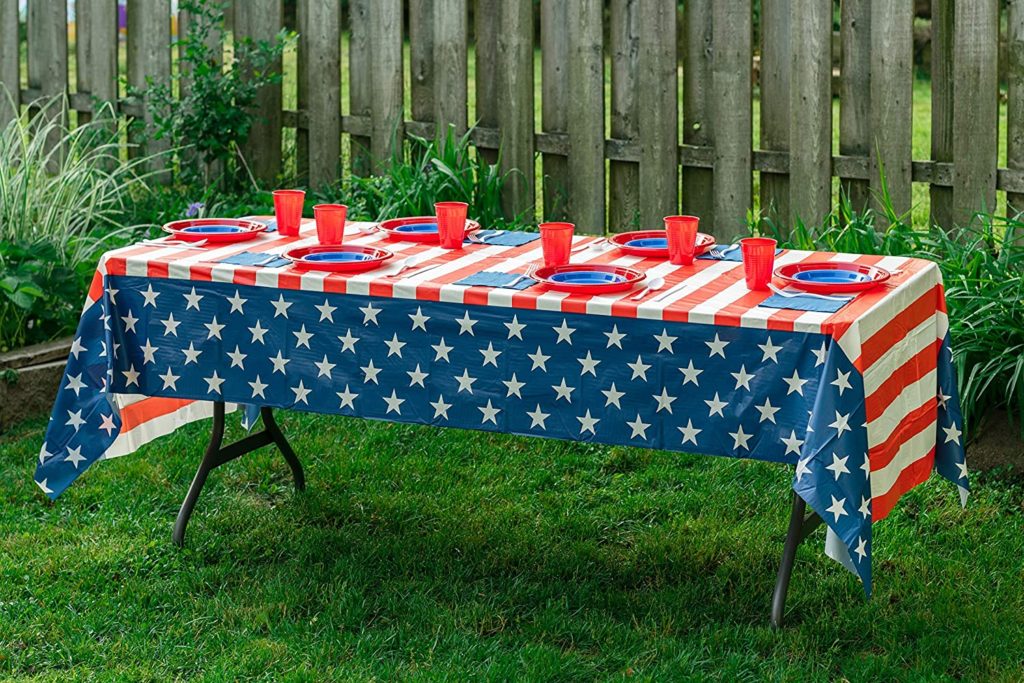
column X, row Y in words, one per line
column 83, row 53
column 320, row 88
column 855, row 94
column 658, row 119
column 892, row 90
column 10, row 62
column 732, row 115
column 554, row 54
column 486, row 25
column 450, row 67
column 359, row 56
column 149, row 61
column 1015, row 99
column 975, row 108
column 810, row 144
column 261, row 20
column 515, row 103
column 698, row 128
column 47, row 34
column 775, row 72
column 421, row 59
column 942, row 107
column 386, row 81
column 624, row 176
column 586, row 115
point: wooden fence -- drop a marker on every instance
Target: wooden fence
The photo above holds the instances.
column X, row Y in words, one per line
column 675, row 132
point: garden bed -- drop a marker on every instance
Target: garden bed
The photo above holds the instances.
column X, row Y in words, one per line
column 29, row 379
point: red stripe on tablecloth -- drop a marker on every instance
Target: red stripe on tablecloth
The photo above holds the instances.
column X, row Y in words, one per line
column 913, row 423
column 912, row 475
column 923, row 362
column 140, row 412
column 895, row 330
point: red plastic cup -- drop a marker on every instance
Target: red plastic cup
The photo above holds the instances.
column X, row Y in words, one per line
column 681, row 232
column 451, row 223
column 330, row 223
column 556, row 242
column 288, row 211
column 758, row 261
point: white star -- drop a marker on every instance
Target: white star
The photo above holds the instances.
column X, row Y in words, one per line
column 193, row 299
column 394, row 403
column 563, row 391
column 742, row 378
column 490, row 413
column 587, row 423
column 740, row 439
column 281, row 306
column 838, row 507
column 324, row 367
column 301, row 392
column 74, row 455
column 238, row 358
column 191, row 354
column 370, row 373
column 795, row 384
column 107, row 424
column 394, row 346
column 769, row 350
column 614, row 337
column 539, row 360
column 75, row 419
column 639, row 368
column 258, row 387
column 75, row 383
column 952, row 434
column 465, row 382
column 419, row 320
column 112, row 293
column 348, row 342
column 802, row 468
column 716, row 406
column 819, row 355
column 865, row 507
column 490, row 355
column 170, row 380
column 257, row 332
column 717, row 347
column 326, row 311
column 417, row 376
column 214, row 328
column 237, row 302
column 440, row 407
column 866, row 466
column 442, row 350
column 639, row 427
column 690, row 374
column 664, row 401
column 841, row 424
column 129, row 322
column 302, row 337
column 767, row 411
column 76, row 347
column 690, row 432
column 466, row 325
column 130, row 376
column 962, row 466
column 213, row 383
column 612, row 395
column 564, row 333
column 514, row 385
column 842, row 381
column 943, row 399
column 793, row 444
column 150, row 296
column 589, row 365
column 279, row 362
column 537, row 418
column 665, row 341
column 44, row 454
column 861, row 548
column 170, row 325
column 838, row 466
column 515, row 328
column 43, row 486
column 347, row 398
column 370, row 314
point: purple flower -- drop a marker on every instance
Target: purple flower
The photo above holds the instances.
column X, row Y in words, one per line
column 194, row 208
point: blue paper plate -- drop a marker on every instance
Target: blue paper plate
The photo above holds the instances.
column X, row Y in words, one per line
column 337, row 256
column 649, row 243
column 587, row 277
column 417, row 227
column 831, row 276
column 213, row 229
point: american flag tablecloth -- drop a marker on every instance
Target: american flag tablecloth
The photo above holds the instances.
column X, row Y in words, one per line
column 863, row 401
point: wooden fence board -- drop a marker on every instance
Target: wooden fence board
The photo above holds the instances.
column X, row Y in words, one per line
column 359, row 56
column 810, row 144
column 186, row 23
column 450, row 65
column 48, row 56
column 83, row 52
column 658, row 119
column 892, row 83
column 10, row 62
column 586, row 115
column 975, row 108
column 1015, row 98
column 486, row 25
column 732, row 116
column 386, row 81
column 554, row 18
column 261, row 20
column 320, row 88
column 515, row 103
column 421, row 59
column 698, row 183
column 942, row 106
column 855, row 94
column 624, row 177
column 775, row 68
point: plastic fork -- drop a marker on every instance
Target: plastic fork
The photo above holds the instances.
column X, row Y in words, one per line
column 173, row 243
column 528, row 274
column 790, row 295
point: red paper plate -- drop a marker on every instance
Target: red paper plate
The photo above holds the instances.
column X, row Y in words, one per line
column 214, row 230
column 342, row 258
column 653, row 243
column 417, row 228
column 587, row 278
column 831, row 277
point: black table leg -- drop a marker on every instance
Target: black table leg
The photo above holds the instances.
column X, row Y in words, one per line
column 800, row 527
column 217, row 455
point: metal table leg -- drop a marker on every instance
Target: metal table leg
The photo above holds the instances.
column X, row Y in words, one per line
column 800, row 527
column 217, row 455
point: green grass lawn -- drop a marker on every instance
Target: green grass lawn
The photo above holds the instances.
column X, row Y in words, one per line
column 422, row 554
